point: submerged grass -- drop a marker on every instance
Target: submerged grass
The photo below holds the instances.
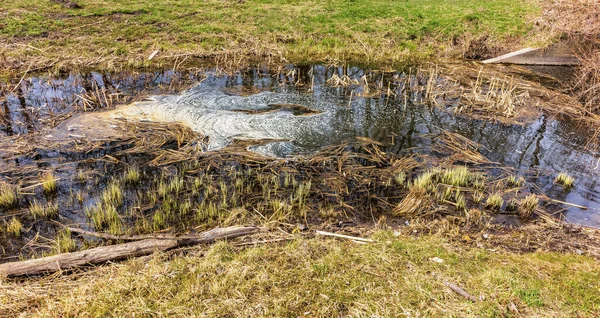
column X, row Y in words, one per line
column 318, row 277
column 123, row 33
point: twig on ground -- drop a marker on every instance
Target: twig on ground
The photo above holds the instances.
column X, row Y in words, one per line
column 264, row 241
column 460, row 291
column 353, row 238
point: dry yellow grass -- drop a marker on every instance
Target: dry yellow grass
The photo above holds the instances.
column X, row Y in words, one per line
column 320, row 277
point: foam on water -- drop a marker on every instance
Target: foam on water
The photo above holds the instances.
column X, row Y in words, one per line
column 222, row 117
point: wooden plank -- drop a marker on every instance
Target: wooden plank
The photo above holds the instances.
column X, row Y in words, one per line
column 556, row 54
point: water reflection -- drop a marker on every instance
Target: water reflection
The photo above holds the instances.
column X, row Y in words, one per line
column 538, row 150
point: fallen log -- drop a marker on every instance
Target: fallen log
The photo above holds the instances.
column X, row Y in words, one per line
column 108, row 236
column 103, row 254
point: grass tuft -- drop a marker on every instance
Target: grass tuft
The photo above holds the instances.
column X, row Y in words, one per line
column 458, row 177
column 400, row 178
column 14, row 227
column 49, row 183
column 514, row 181
column 49, row 210
column 64, row 242
column 8, row 195
column 477, row 197
column 461, row 202
column 528, row 205
column 132, row 176
column 564, row 180
column 494, row 202
column 113, row 194
column 512, row 205
column 424, row 182
column 105, row 217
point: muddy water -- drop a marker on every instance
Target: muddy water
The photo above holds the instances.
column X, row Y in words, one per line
column 248, row 105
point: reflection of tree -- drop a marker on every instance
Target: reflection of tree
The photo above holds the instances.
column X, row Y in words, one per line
column 6, row 121
column 537, row 139
column 24, row 112
column 367, row 120
column 407, row 139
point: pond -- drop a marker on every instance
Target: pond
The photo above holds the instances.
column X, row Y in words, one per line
column 299, row 110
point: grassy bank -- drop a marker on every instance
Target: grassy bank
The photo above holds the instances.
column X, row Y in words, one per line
column 318, row 277
column 113, row 34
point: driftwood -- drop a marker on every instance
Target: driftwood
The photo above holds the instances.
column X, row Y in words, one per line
column 116, row 252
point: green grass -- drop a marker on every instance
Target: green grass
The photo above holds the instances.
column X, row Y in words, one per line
column 113, row 194
column 127, row 32
column 323, row 277
column 461, row 177
column 104, row 213
column 105, row 217
column 424, row 181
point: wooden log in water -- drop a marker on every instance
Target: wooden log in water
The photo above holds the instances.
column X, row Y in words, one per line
column 103, row 254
